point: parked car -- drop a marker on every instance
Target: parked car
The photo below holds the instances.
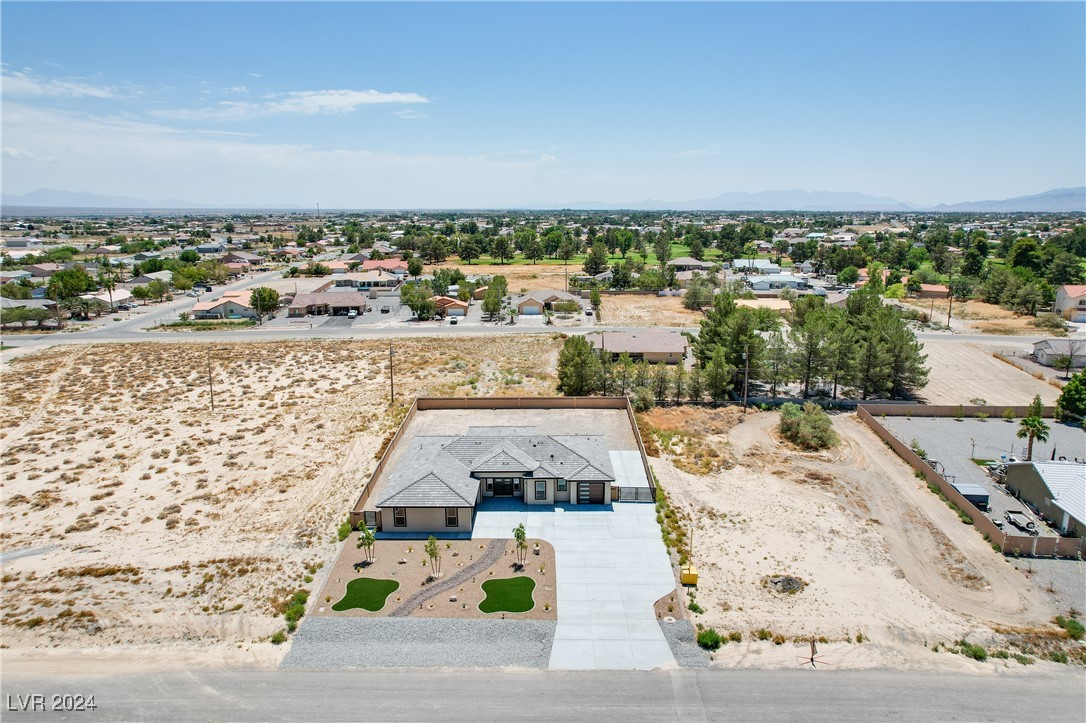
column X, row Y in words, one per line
column 588, row 312
column 353, row 313
column 385, row 309
column 452, row 320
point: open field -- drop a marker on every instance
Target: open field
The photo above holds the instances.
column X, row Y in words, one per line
column 522, row 277
column 631, row 310
column 961, row 372
column 981, row 316
column 169, row 531
column 881, row 559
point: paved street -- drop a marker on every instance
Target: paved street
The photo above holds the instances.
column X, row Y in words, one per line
column 510, row 695
column 611, row 566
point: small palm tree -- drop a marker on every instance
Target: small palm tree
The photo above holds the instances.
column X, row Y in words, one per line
column 521, row 536
column 1032, row 428
column 434, row 553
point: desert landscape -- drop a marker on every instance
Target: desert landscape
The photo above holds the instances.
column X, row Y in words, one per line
column 141, row 528
column 139, row 523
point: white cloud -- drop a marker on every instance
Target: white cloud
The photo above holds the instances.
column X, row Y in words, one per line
column 713, row 150
column 150, row 160
column 25, row 155
column 21, row 83
column 312, row 102
column 410, row 114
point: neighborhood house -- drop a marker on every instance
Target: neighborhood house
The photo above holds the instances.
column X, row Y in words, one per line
column 231, row 305
column 668, row 347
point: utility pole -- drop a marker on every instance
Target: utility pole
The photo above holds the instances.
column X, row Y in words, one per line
column 746, row 372
column 210, row 383
column 950, row 299
column 391, row 378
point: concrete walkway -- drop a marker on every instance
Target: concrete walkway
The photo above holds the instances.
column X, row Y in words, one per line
column 611, row 566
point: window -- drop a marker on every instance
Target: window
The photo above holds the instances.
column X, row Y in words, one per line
column 541, row 489
column 399, row 516
column 516, row 485
column 452, row 517
column 561, row 485
column 490, row 485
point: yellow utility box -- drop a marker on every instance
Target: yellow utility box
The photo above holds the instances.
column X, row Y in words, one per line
column 688, row 575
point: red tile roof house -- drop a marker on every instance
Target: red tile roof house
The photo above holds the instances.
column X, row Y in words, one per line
column 231, row 305
column 395, row 266
column 449, row 306
column 933, row 291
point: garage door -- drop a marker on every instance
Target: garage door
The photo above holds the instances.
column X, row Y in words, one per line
column 454, row 311
column 590, row 493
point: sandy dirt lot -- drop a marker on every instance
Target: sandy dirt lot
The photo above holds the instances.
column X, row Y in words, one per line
column 630, row 310
column 881, row 557
column 980, row 316
column 961, row 371
column 173, row 531
column 522, row 277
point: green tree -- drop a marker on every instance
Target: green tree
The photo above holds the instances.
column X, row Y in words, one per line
column 414, row 267
column 777, row 366
column 533, row 250
column 157, row 289
column 695, row 385
column 579, row 368
column 718, row 376
column 189, row 256
column 595, row 300
column 15, row 291
column 808, row 427
column 567, row 249
column 501, row 250
column 521, row 537
column 1032, row 428
column 811, row 343
column 661, row 246
column 492, row 301
column 1065, row 268
column 366, row 540
column 433, row 551
column 698, row 294
column 68, row 284
column 848, row 275
column 661, row 380
column 469, row 250
column 596, row 261
column 264, row 300
column 1036, row 407
column 1072, row 400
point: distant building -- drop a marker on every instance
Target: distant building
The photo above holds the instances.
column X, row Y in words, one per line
column 668, row 347
column 1071, row 302
column 1047, row 350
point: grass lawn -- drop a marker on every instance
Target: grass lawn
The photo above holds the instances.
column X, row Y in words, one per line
column 366, row 593
column 509, row 595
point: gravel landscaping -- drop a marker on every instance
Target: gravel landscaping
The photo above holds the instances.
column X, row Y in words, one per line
column 683, row 643
column 325, row 642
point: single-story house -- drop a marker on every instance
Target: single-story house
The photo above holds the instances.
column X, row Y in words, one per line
column 335, row 303
column 165, row 276
column 687, row 263
column 1046, row 350
column 668, row 347
column 758, row 266
column 1071, row 302
column 479, row 293
column 145, row 255
column 807, row 267
column 231, row 305
column 211, row 248
column 441, row 479
column 449, row 306
column 1056, row 489
column 242, row 257
column 7, row 303
column 537, row 302
column 775, row 282
column 14, row 275
column 119, row 296
column 237, row 268
column 393, row 266
column 364, row 280
column 287, row 252
column 22, row 242
column 933, row 291
column 43, row 270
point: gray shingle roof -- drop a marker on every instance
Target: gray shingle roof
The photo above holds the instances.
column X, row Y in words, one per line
column 438, row 471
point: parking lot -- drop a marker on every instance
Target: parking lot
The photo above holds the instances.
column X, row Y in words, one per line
column 953, row 443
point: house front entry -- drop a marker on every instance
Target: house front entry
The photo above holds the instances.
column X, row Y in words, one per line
column 506, row 486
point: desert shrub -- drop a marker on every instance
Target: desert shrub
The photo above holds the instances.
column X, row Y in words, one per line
column 735, row 636
column 1074, row 628
column 969, row 650
column 710, row 639
column 695, row 608
column 808, row 427
column 344, row 530
column 279, row 637
column 1049, row 321
column 1058, row 656
column 643, row 399
column 763, row 634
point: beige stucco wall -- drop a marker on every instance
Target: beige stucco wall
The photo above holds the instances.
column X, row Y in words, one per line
column 426, row 519
column 529, row 492
column 1024, row 482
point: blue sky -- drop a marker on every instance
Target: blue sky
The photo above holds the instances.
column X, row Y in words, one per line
column 501, row 104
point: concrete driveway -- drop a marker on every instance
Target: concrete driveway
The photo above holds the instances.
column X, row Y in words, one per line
column 611, row 566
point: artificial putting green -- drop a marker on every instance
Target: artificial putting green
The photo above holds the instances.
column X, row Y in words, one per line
column 367, row 593
column 508, row 595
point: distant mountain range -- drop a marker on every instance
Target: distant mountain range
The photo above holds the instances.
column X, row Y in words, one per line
column 1059, row 200
column 52, row 198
